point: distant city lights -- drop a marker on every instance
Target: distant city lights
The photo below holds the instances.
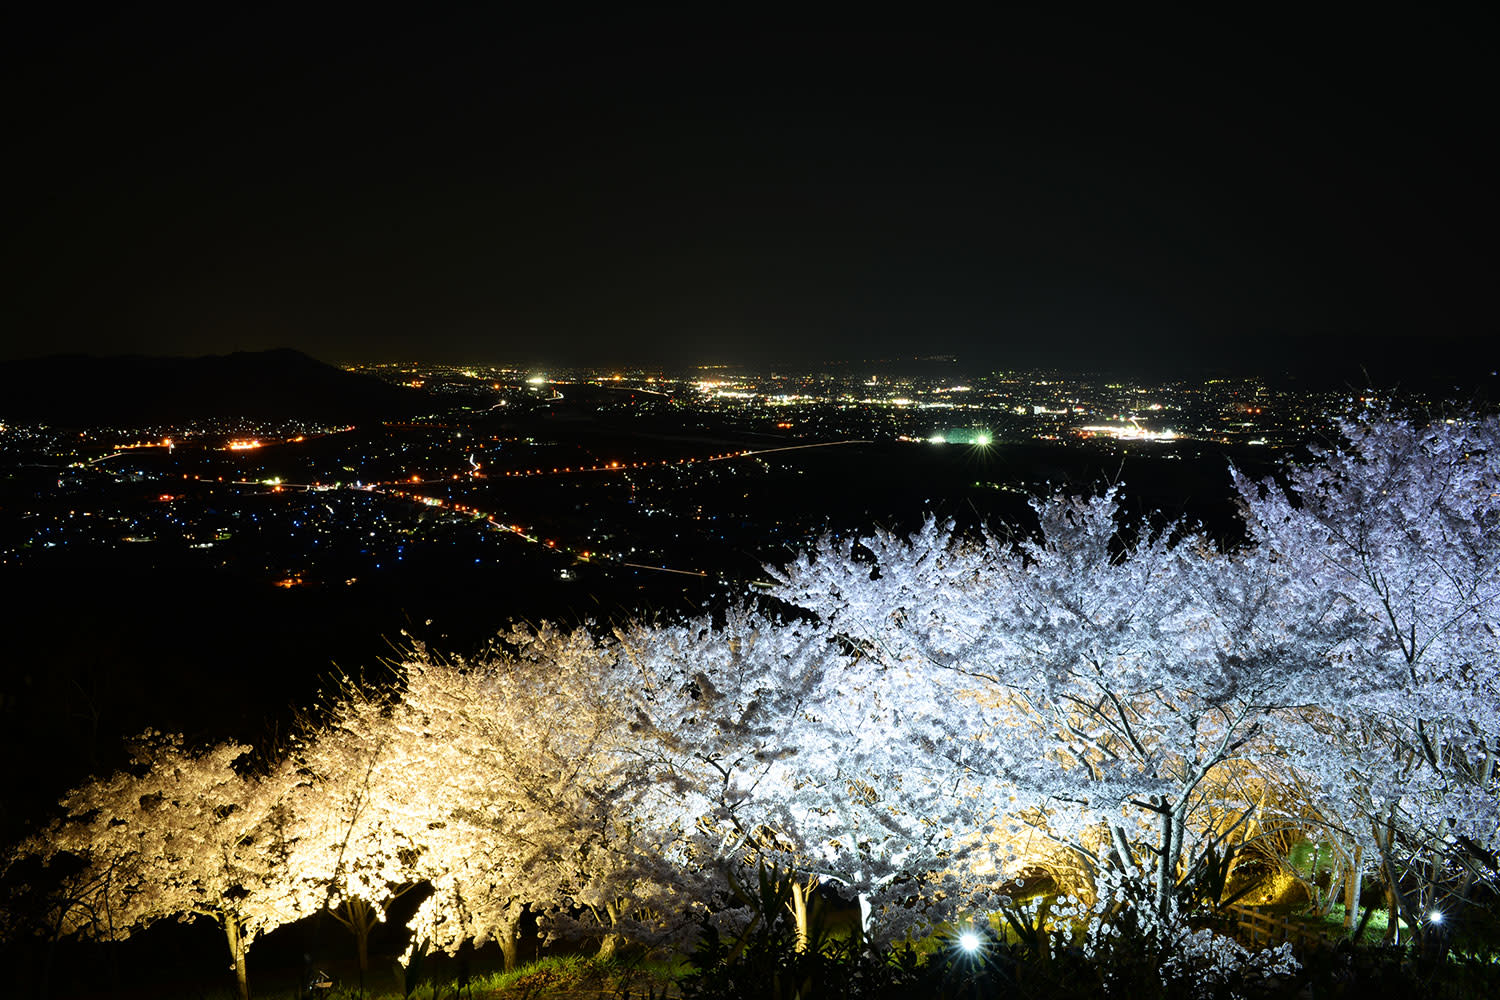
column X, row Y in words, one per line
column 457, row 458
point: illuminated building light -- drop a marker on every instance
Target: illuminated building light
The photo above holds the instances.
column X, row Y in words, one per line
column 242, row 444
column 1128, row 432
column 963, row 435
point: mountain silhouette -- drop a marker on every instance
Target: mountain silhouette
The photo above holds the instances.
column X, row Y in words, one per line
column 84, row 390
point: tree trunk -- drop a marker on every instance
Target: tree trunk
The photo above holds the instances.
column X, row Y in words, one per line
column 362, row 941
column 1179, row 836
column 1433, row 934
column 361, row 919
column 1396, row 899
column 610, row 942
column 798, row 906
column 356, row 914
column 508, row 949
column 507, row 933
column 1165, row 863
column 235, row 935
column 1122, row 849
column 1352, row 888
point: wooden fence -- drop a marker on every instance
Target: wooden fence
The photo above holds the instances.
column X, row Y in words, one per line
column 1257, row 927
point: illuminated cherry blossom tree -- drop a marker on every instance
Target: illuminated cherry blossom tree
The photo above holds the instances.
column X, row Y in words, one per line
column 181, row 834
column 787, row 748
column 355, row 839
column 1098, row 684
column 514, row 784
column 633, row 774
column 1401, row 523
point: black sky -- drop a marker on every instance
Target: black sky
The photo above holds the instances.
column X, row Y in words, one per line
column 1249, row 192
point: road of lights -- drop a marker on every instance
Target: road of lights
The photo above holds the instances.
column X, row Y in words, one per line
column 582, row 555
column 568, row 470
column 605, row 467
column 521, row 532
column 400, row 490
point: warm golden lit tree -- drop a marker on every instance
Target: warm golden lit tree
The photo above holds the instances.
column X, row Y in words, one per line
column 181, row 834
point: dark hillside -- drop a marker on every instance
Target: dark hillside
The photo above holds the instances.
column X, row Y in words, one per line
column 283, row 384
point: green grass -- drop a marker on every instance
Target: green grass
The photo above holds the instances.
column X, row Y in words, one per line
column 549, row 976
column 611, row 977
column 553, row 968
column 1375, row 929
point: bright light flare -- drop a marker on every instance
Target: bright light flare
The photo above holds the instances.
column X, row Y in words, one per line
column 1435, row 917
column 968, row 942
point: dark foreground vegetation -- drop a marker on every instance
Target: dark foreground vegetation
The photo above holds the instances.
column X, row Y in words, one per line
column 1010, row 959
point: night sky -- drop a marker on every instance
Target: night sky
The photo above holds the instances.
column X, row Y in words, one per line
column 1257, row 193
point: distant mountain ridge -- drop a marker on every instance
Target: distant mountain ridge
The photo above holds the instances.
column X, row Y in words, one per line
column 86, row 390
